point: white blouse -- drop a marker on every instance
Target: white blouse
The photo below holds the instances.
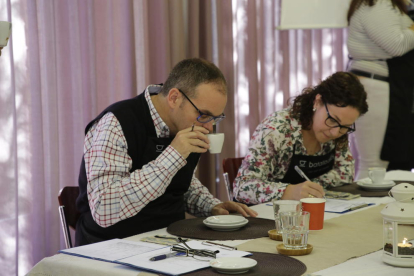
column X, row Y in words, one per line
column 378, row 32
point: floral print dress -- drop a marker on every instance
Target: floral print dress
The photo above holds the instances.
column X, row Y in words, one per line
column 269, row 155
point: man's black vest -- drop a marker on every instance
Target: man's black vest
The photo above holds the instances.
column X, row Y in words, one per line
column 143, row 147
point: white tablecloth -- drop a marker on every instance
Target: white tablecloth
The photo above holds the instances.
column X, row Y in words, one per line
column 371, row 264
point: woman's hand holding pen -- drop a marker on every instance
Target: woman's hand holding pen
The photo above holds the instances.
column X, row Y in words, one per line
column 303, row 190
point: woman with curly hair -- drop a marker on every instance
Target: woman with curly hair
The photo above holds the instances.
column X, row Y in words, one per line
column 312, row 134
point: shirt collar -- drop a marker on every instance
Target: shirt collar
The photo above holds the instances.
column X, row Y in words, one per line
column 161, row 127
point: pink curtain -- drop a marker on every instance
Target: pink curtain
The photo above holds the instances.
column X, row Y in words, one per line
column 69, row 59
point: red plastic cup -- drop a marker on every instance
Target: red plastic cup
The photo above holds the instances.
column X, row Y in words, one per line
column 316, row 208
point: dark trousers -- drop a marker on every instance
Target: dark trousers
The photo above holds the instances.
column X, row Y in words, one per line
column 405, row 166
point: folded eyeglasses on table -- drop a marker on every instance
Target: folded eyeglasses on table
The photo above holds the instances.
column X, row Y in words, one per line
column 198, row 254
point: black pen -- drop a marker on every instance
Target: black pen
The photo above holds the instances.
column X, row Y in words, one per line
column 165, row 256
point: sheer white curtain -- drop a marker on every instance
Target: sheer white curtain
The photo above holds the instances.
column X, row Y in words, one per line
column 68, row 59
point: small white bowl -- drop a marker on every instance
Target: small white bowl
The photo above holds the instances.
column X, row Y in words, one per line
column 226, row 219
column 233, row 265
column 225, row 227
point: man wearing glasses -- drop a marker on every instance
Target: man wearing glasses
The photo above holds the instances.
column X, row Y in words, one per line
column 311, row 135
column 140, row 155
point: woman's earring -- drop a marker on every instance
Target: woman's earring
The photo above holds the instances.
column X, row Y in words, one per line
column 314, row 109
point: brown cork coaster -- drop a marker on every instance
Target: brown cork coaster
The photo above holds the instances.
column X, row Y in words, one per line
column 274, row 235
column 294, row 252
column 195, row 229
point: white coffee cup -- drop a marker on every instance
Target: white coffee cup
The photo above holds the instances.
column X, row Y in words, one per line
column 216, row 142
column 377, row 175
column 5, row 31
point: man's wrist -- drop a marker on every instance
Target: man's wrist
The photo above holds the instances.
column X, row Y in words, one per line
column 213, row 204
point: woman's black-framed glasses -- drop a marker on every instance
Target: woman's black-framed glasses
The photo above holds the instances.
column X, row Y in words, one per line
column 332, row 122
column 203, row 117
column 198, row 254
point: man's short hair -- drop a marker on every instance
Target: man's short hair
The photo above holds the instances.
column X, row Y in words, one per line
column 189, row 73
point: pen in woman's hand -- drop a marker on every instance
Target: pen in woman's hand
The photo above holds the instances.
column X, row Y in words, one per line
column 301, row 173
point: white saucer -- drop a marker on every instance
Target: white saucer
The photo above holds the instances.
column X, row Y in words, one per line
column 233, row 265
column 225, row 227
column 367, row 184
column 226, row 219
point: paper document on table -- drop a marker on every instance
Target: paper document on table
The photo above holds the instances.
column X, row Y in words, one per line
column 180, row 264
column 112, row 250
column 340, row 206
column 138, row 255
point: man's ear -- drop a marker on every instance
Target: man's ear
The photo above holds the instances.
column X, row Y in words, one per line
column 174, row 98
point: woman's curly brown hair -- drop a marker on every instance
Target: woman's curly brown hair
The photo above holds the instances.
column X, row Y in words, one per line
column 341, row 89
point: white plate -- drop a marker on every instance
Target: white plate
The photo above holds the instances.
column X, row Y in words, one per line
column 367, row 184
column 367, row 181
column 225, row 227
column 226, row 219
column 233, row 265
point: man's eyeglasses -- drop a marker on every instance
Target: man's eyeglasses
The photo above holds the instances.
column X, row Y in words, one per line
column 198, row 254
column 204, row 118
column 332, row 122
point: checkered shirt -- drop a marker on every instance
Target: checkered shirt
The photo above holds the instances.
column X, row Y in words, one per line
column 115, row 194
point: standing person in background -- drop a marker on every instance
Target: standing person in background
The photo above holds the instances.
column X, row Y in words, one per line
column 311, row 134
column 380, row 44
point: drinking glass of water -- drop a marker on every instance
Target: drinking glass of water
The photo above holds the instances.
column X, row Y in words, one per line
column 295, row 229
column 284, row 206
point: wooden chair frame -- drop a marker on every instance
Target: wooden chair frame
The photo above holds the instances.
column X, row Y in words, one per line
column 230, row 168
column 68, row 213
